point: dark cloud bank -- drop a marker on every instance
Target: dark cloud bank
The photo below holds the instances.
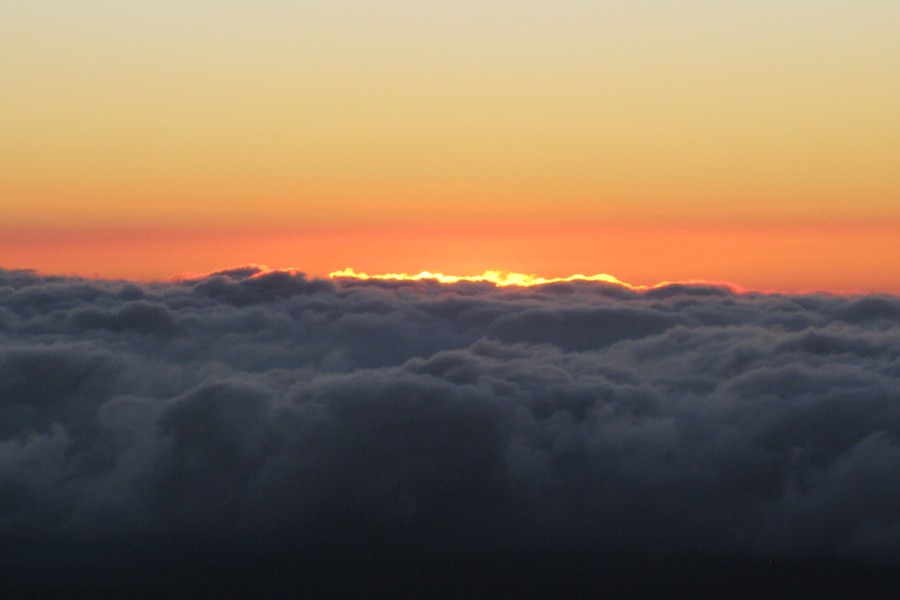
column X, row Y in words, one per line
column 266, row 435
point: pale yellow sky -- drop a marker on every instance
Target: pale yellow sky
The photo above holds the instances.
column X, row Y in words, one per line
column 273, row 110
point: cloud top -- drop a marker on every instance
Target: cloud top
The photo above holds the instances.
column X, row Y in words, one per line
column 574, row 423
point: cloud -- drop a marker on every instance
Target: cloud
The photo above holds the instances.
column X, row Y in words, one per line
column 580, row 437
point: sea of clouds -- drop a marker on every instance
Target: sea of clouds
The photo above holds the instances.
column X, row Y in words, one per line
column 276, row 428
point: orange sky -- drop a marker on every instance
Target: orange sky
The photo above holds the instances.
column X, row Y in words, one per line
column 788, row 258
column 757, row 142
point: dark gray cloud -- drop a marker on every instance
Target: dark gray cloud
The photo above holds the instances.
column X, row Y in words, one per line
column 574, row 438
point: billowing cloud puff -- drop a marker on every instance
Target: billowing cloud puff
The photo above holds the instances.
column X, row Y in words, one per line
column 566, row 439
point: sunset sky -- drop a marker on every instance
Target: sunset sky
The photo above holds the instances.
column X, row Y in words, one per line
column 268, row 328
column 751, row 142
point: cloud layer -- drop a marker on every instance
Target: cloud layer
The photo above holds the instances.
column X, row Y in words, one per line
column 443, row 436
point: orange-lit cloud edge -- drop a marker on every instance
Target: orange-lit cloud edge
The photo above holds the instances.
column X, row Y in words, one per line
column 507, row 279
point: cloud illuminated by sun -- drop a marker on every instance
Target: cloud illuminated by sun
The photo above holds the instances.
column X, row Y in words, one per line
column 510, row 279
column 498, row 278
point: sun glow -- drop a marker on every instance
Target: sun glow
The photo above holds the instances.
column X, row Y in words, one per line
column 510, row 279
column 497, row 278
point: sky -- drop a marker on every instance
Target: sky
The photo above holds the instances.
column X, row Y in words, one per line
column 750, row 142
